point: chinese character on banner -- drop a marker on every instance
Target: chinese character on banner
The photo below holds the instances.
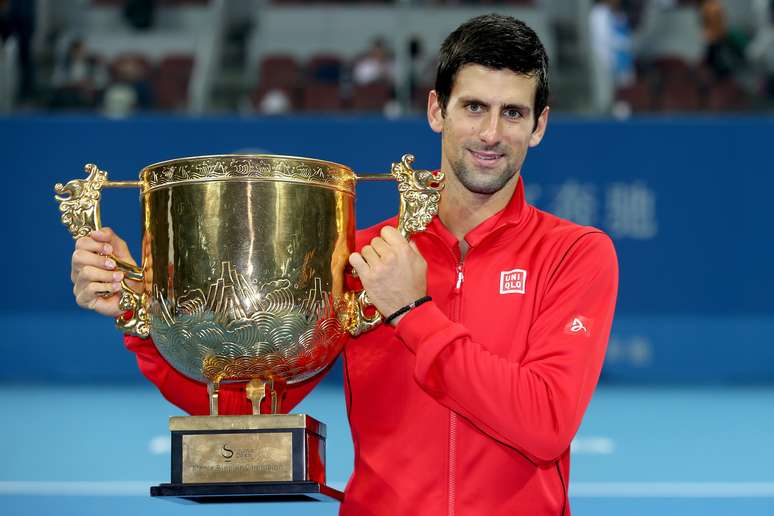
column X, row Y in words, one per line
column 631, row 211
column 576, row 202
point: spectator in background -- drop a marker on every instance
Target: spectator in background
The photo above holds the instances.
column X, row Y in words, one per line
column 760, row 51
column 611, row 45
column 421, row 73
column 17, row 19
column 376, row 65
column 724, row 51
column 274, row 102
column 131, row 89
column 79, row 78
column 140, row 14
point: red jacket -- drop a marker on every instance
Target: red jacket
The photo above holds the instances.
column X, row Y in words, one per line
column 469, row 407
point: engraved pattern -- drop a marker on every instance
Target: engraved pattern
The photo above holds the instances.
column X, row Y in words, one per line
column 259, row 167
column 238, row 331
column 420, row 193
column 79, row 201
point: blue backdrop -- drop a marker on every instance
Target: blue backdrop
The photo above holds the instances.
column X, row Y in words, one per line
column 687, row 201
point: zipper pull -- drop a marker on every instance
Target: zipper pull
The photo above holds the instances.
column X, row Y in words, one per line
column 460, row 277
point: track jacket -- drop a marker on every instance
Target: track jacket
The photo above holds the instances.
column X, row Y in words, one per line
column 470, row 405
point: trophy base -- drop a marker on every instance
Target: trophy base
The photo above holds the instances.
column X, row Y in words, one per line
column 250, row 458
column 247, row 492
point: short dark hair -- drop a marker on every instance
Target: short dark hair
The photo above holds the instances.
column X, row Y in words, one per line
column 498, row 42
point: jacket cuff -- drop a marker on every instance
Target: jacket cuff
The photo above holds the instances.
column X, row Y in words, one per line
column 419, row 324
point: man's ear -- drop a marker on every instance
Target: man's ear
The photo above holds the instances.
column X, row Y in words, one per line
column 434, row 112
column 540, row 128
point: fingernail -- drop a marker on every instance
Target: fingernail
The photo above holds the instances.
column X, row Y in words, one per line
column 107, row 249
column 97, row 232
column 110, row 264
column 116, row 287
column 118, row 276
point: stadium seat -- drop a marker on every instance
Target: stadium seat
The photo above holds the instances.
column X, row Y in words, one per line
column 138, row 62
column 171, row 81
column 371, row 97
column 638, row 95
column 679, row 88
column 321, row 97
column 324, row 68
column 726, row 95
column 279, row 71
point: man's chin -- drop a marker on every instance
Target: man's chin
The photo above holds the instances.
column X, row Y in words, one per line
column 484, row 187
column 486, row 182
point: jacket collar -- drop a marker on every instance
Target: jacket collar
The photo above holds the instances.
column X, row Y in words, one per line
column 513, row 213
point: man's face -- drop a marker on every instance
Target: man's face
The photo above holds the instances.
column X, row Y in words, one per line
column 488, row 127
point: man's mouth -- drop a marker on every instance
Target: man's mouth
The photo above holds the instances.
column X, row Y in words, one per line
column 486, row 158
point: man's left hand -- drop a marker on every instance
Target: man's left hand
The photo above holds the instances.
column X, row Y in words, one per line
column 393, row 272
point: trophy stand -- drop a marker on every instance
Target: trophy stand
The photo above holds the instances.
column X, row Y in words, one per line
column 279, row 275
column 250, row 458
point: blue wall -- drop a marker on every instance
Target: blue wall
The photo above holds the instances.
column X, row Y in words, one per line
column 688, row 202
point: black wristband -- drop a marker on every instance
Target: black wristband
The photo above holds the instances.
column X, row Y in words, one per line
column 403, row 310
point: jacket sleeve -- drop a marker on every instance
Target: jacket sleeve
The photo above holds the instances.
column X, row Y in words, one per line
column 534, row 405
column 191, row 396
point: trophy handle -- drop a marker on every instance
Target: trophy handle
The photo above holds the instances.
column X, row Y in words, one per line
column 352, row 314
column 420, row 193
column 79, row 203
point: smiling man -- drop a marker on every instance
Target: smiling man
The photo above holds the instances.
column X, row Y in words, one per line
column 501, row 312
column 466, row 401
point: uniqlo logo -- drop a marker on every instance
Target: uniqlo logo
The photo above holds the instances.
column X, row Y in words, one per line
column 513, row 282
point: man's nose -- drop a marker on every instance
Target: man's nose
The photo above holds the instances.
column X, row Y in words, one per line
column 490, row 129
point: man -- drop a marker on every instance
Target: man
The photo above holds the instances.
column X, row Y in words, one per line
column 465, row 403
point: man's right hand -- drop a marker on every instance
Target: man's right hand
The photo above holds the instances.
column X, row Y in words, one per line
column 96, row 281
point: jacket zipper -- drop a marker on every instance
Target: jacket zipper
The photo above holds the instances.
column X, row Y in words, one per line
column 452, row 414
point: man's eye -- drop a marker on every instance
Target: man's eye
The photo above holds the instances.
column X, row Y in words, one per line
column 512, row 113
column 475, row 108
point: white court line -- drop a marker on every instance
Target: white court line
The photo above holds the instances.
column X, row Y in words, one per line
column 577, row 489
column 75, row 488
column 672, row 489
column 88, row 488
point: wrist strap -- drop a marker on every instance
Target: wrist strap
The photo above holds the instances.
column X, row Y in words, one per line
column 403, row 310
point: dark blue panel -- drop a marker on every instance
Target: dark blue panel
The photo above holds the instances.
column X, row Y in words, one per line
column 686, row 200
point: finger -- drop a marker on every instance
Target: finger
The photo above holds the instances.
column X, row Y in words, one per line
column 358, row 263
column 382, row 248
column 82, row 258
column 392, row 236
column 121, row 251
column 370, row 255
column 93, row 245
column 136, row 286
column 108, row 306
column 90, row 274
column 102, row 235
column 89, row 295
column 117, row 245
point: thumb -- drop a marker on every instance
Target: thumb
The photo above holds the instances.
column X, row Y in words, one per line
column 108, row 305
column 120, row 249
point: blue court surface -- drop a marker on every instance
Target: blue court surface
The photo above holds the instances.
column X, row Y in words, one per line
column 96, row 449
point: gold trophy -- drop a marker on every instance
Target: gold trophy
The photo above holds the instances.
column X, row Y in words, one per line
column 243, row 274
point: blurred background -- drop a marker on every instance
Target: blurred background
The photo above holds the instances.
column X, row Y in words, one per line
column 660, row 134
column 620, row 57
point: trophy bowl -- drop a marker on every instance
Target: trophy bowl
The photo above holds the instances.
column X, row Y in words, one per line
column 243, row 264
